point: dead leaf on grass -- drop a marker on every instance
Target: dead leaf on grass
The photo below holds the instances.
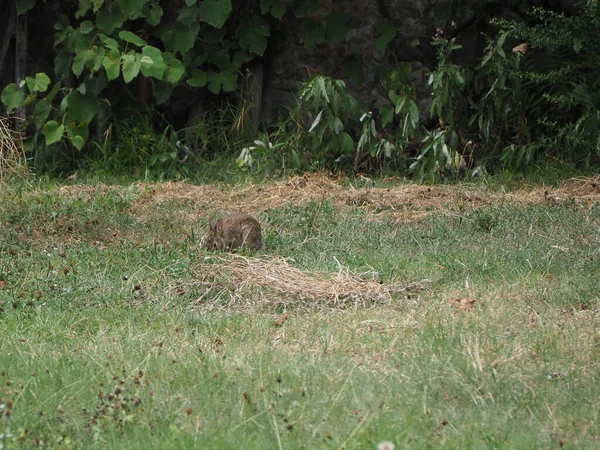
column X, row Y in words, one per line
column 463, row 303
column 279, row 323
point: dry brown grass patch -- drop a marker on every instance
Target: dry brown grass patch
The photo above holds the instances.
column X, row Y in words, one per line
column 255, row 282
column 404, row 203
column 12, row 157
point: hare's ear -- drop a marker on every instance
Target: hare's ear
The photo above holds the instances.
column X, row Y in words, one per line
column 212, row 225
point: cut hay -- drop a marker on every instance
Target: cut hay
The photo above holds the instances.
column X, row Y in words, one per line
column 403, row 203
column 241, row 282
column 12, row 157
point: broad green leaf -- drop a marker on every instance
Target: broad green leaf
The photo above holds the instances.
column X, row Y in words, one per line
column 190, row 2
column 153, row 64
column 29, row 81
column 338, row 125
column 82, row 108
column 12, row 97
column 78, row 133
column 198, row 78
column 226, row 80
column 275, row 7
column 63, row 30
column 28, row 100
column 215, row 12
column 96, row 83
column 241, row 57
column 386, row 32
column 313, row 32
column 413, row 114
column 296, row 159
column 336, row 28
column 132, row 38
column 41, row 82
column 316, row 122
column 97, row 5
column 252, row 36
column 175, row 70
column 86, row 27
column 53, row 132
column 62, row 64
column 347, row 143
column 307, row 8
column 162, row 92
column 84, row 42
column 132, row 8
column 88, row 57
column 386, row 112
column 53, row 92
column 168, row 40
column 152, row 13
column 97, row 56
column 130, row 67
column 111, row 64
column 24, row 5
column 185, row 36
column 109, row 18
column 84, row 6
column 109, row 42
column 77, row 142
column 219, row 56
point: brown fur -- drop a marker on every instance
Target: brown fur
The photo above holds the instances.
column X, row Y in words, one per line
column 234, row 231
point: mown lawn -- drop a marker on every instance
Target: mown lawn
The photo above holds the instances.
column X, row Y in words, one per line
column 109, row 340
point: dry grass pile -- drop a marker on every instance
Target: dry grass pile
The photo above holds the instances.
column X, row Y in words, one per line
column 251, row 282
column 12, row 157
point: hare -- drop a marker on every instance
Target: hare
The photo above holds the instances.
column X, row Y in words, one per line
column 231, row 232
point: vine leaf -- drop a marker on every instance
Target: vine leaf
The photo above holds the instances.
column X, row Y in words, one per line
column 41, row 112
column 313, row 32
column 132, row 38
column 53, row 132
column 153, row 64
column 12, row 97
column 82, row 108
column 131, row 67
column 152, row 13
column 253, row 35
column 38, row 84
column 111, row 64
column 387, row 33
column 184, row 36
column 215, row 12
column 198, row 78
column 225, row 80
column 133, row 8
column 107, row 19
column 175, row 70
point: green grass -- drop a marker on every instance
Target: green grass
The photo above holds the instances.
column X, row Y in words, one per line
column 99, row 347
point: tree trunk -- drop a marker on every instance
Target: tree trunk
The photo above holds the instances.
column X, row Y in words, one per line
column 9, row 31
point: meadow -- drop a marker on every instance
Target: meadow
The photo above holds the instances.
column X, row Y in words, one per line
column 457, row 316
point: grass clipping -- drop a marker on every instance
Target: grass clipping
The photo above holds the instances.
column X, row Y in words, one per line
column 12, row 158
column 251, row 282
